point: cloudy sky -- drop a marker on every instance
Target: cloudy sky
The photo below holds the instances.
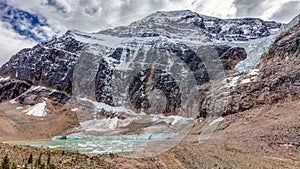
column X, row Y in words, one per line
column 53, row 17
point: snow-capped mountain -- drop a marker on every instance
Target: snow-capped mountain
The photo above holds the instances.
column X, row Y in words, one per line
column 52, row 63
column 27, row 24
column 171, row 40
column 188, row 25
column 121, row 66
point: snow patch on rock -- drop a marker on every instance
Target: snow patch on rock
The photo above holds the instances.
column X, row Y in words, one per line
column 13, row 101
column 38, row 110
column 100, row 124
column 4, row 78
column 216, row 121
column 109, row 108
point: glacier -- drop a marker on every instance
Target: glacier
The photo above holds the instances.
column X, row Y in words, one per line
column 255, row 50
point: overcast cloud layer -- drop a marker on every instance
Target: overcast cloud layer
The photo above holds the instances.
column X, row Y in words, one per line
column 94, row 15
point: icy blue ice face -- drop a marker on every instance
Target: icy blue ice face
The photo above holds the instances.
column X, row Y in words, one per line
column 255, row 50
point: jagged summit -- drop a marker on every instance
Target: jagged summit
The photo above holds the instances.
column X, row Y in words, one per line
column 193, row 26
column 173, row 15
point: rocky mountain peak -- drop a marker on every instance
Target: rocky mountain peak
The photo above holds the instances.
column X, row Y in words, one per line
column 193, row 26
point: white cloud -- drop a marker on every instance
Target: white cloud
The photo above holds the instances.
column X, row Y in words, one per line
column 92, row 15
column 218, row 8
column 271, row 7
column 287, row 10
column 11, row 42
column 264, row 9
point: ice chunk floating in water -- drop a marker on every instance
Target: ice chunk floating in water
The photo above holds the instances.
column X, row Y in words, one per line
column 100, row 144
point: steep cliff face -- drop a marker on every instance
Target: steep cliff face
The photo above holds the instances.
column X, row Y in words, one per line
column 48, row 64
column 51, row 64
column 12, row 88
column 281, row 67
column 276, row 79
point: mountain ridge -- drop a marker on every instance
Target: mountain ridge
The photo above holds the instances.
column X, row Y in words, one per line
column 204, row 27
column 52, row 63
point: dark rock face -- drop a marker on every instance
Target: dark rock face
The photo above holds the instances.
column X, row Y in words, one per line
column 11, row 89
column 103, row 80
column 232, row 57
column 161, row 79
column 46, row 64
column 239, row 29
column 32, row 97
column 51, row 64
column 154, row 79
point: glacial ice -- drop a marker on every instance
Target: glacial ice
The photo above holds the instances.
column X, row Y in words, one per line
column 255, row 50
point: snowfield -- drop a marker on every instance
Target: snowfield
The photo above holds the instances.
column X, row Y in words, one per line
column 38, row 110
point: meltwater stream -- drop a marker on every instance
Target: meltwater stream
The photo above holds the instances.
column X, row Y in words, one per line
column 100, row 144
